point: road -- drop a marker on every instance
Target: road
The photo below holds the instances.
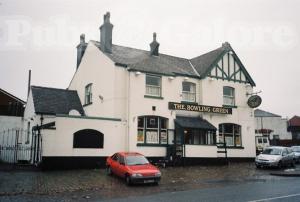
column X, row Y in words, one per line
column 277, row 190
column 281, row 189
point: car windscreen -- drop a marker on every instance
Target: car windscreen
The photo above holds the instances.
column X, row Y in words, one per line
column 272, row 151
column 136, row 160
column 296, row 149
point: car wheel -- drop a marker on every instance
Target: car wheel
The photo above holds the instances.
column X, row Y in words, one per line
column 128, row 181
column 258, row 166
column 279, row 165
column 108, row 170
column 293, row 164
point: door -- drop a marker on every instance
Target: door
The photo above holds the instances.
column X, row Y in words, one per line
column 121, row 167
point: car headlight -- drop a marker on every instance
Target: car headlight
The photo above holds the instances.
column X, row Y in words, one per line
column 158, row 174
column 137, row 175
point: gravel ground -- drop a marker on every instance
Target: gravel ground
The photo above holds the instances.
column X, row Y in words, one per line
column 87, row 184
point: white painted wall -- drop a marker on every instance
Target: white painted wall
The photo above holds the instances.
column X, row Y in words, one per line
column 59, row 142
column 208, row 93
column 108, row 82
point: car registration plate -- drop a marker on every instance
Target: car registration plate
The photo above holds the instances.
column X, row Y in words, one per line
column 148, row 181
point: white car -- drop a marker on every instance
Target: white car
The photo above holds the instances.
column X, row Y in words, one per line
column 296, row 150
column 274, row 157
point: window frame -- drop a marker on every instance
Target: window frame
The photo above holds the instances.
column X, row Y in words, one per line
column 159, row 87
column 205, row 137
column 222, row 134
column 88, row 95
column 231, row 97
column 159, row 129
column 189, row 93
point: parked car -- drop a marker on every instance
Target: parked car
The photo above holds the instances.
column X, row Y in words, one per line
column 133, row 167
column 275, row 157
column 296, row 150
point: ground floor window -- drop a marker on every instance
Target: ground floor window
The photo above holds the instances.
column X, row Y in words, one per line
column 88, row 138
column 231, row 134
column 152, row 130
column 199, row 137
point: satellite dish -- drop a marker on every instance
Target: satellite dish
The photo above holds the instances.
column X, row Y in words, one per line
column 254, row 101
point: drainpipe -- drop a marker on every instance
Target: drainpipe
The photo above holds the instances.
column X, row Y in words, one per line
column 128, row 110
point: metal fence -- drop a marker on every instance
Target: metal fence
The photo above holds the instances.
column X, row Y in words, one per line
column 15, row 146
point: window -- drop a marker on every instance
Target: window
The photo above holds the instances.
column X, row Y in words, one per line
column 228, row 96
column 88, row 94
column 231, row 133
column 188, row 92
column 152, row 130
column 88, row 138
column 153, row 85
column 199, row 137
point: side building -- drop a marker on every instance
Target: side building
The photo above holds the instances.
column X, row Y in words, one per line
column 11, row 125
column 270, row 129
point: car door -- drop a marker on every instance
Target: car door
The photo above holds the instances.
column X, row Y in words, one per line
column 285, row 157
column 114, row 163
column 122, row 167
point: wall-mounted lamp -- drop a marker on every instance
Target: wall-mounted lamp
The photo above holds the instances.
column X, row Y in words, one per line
column 186, row 78
column 137, row 73
column 171, row 78
column 212, row 79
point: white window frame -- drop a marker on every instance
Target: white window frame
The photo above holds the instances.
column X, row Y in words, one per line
column 229, row 100
column 188, row 96
column 152, row 89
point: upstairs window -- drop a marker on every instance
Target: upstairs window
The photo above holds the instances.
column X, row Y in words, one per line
column 188, row 92
column 88, row 94
column 153, row 85
column 228, row 96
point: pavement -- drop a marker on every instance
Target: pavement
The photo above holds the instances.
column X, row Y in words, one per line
column 292, row 172
column 78, row 185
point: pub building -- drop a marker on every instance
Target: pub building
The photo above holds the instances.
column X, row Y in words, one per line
column 127, row 99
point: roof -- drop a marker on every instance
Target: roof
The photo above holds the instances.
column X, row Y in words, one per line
column 55, row 101
column 261, row 113
column 203, row 62
column 141, row 60
column 194, row 122
column 295, row 121
column 12, row 96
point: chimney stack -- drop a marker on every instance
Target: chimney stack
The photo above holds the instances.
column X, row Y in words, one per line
column 81, row 49
column 106, row 34
column 154, row 45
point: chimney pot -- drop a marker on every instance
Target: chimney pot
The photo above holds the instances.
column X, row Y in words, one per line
column 81, row 49
column 154, row 46
column 82, row 38
column 106, row 34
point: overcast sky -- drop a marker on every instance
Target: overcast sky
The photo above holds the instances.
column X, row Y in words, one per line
column 265, row 34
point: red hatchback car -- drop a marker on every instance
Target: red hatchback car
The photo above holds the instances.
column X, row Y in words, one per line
column 133, row 167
